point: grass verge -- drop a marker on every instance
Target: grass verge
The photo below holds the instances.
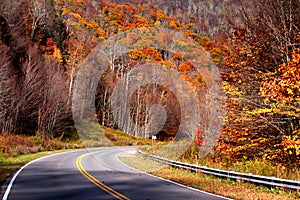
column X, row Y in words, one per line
column 17, row 150
column 223, row 187
column 258, row 166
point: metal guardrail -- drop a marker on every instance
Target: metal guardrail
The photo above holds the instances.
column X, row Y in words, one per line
column 261, row 180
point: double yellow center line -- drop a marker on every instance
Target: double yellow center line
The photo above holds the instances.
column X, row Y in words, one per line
column 96, row 181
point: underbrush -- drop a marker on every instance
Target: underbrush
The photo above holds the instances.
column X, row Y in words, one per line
column 93, row 135
column 14, row 144
column 17, row 150
column 257, row 166
column 120, row 138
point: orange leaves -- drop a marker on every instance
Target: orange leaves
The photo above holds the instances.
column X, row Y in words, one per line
column 177, row 56
column 173, row 25
column 52, row 51
column 65, row 11
column 115, row 13
column 92, row 25
column 151, row 52
column 76, row 16
column 153, row 16
column 145, row 53
column 185, row 67
column 283, row 85
column 100, row 33
column 189, row 25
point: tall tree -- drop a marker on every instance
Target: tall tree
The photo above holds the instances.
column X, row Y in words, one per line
column 261, row 56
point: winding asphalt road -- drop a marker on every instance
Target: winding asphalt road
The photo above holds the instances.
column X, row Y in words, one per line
column 94, row 174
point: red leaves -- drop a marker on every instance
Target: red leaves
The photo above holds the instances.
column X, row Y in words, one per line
column 198, row 137
column 50, row 44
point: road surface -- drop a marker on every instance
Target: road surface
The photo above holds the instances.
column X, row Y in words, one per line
column 92, row 174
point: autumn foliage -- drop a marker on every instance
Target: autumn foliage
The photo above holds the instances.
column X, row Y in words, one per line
column 256, row 50
column 261, row 79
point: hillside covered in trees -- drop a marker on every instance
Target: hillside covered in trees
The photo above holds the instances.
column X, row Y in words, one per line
column 254, row 44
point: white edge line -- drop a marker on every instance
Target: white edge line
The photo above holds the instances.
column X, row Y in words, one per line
column 7, row 191
column 175, row 183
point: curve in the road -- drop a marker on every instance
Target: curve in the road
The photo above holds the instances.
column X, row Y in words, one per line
column 96, row 181
column 12, row 180
column 80, row 174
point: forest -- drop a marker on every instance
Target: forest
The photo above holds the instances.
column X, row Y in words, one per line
column 254, row 45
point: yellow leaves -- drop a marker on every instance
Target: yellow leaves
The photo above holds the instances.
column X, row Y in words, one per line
column 189, row 25
column 160, row 15
column 101, row 33
column 261, row 111
column 174, row 25
column 231, row 90
column 141, row 21
column 92, row 25
column 57, row 55
column 76, row 15
column 166, row 63
column 290, row 91
column 135, row 54
column 243, row 63
column 217, row 55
